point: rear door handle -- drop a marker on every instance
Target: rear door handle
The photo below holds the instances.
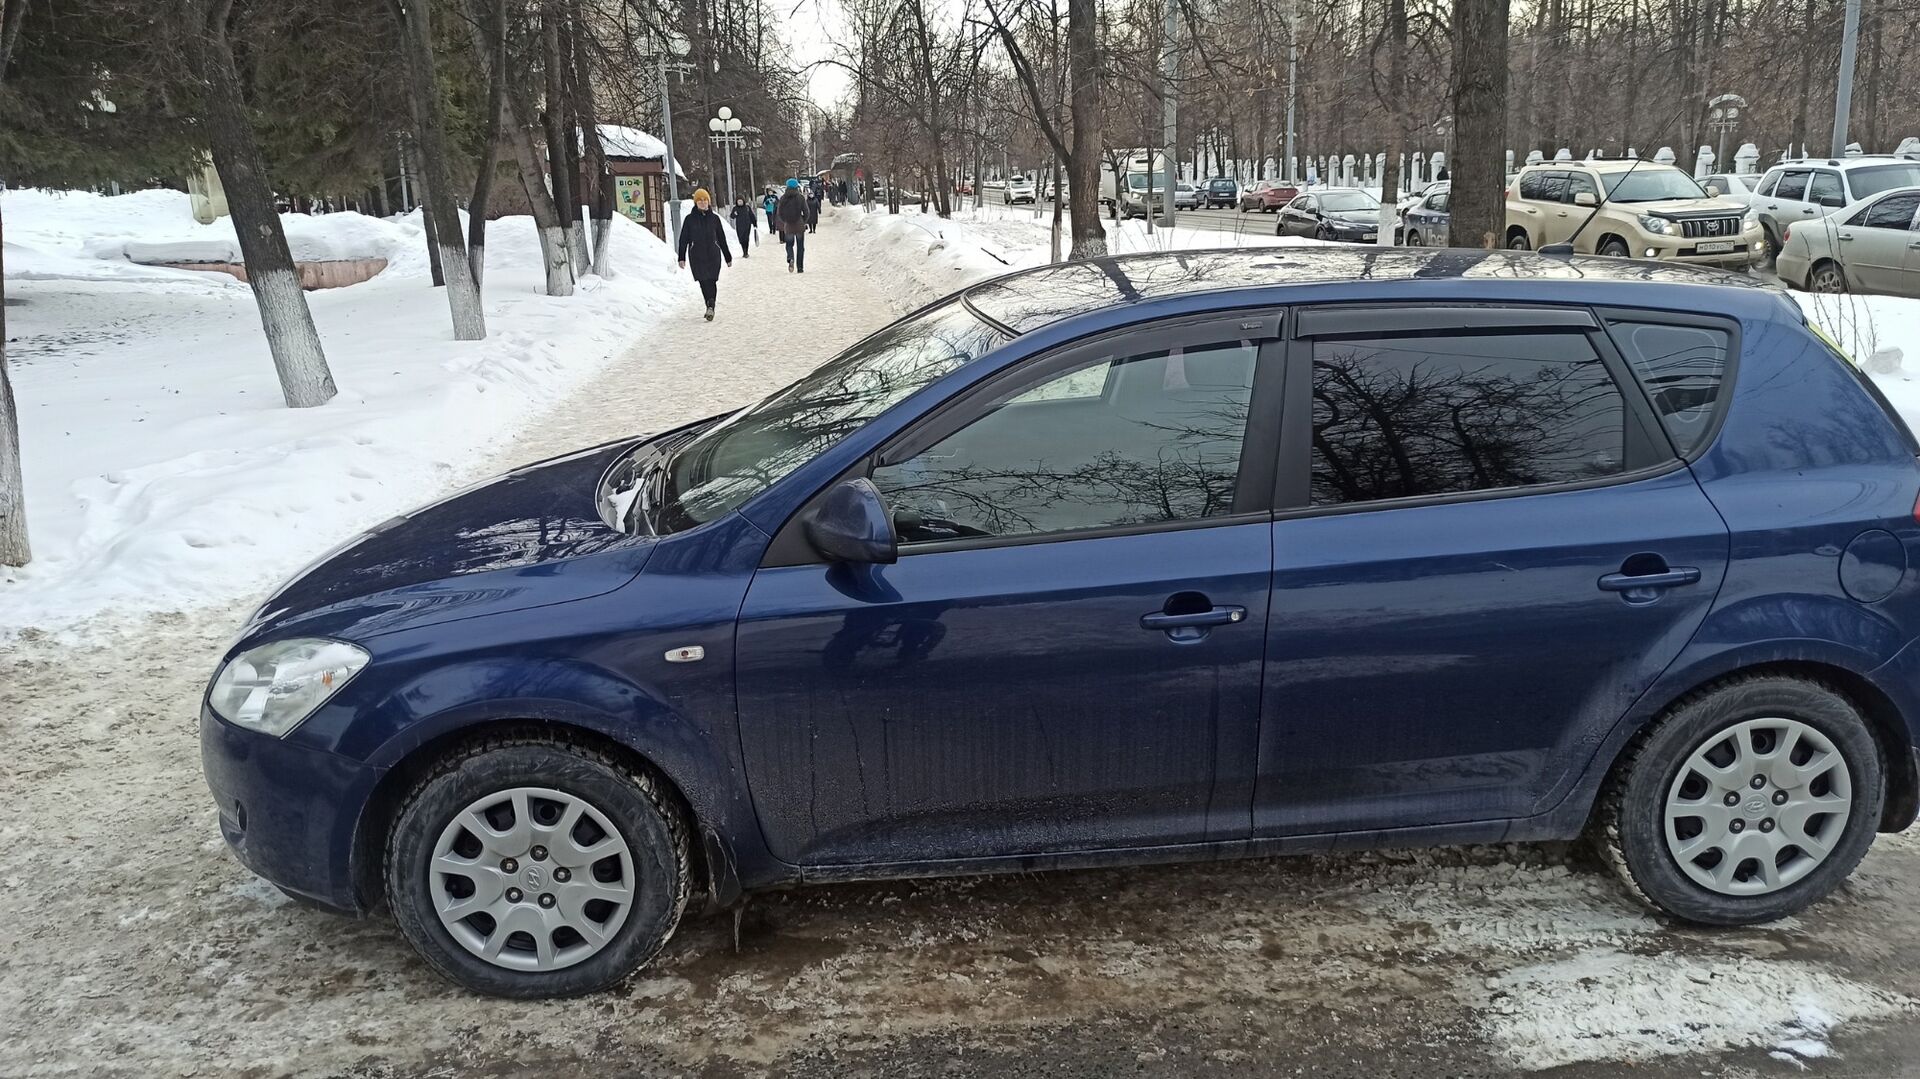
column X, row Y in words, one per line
column 1217, row 616
column 1631, row 582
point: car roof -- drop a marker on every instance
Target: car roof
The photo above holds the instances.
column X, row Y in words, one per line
column 1844, row 163
column 1604, row 164
column 1028, row 300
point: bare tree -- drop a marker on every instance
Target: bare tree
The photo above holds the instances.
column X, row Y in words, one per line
column 201, row 29
column 414, row 20
column 1478, row 200
column 15, row 550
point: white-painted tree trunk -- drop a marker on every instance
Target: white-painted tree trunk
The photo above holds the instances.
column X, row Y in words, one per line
column 291, row 337
column 14, row 548
column 463, row 295
column 559, row 260
column 602, row 232
column 577, row 240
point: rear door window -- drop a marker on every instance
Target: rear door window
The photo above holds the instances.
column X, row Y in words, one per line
column 1793, row 185
column 1441, row 414
column 1892, row 212
column 1533, row 185
column 1682, row 367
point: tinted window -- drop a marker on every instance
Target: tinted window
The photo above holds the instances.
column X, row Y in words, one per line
column 1793, row 185
column 1555, row 188
column 1826, row 189
column 1654, row 184
column 1578, row 182
column 1118, row 440
column 1766, row 184
column 1877, row 178
column 1682, row 368
column 1435, row 415
column 734, row 460
column 1892, row 212
column 1533, row 185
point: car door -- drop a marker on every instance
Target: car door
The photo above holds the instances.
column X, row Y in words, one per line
column 1873, row 244
column 1566, row 218
column 1909, row 283
column 1485, row 548
column 1067, row 653
column 1788, row 203
column 1298, row 218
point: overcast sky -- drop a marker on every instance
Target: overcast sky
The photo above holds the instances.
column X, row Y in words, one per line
column 809, row 32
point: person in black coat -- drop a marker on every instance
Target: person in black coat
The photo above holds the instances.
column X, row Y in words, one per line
column 813, row 208
column 704, row 238
column 745, row 222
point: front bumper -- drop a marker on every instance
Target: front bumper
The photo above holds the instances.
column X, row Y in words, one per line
column 287, row 812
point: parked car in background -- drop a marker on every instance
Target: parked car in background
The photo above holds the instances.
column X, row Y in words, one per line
column 1870, row 246
column 531, row 721
column 1186, row 196
column 1142, row 194
column 1267, row 196
column 1332, row 213
column 1017, row 189
column 1425, row 223
column 1049, row 193
column 1629, row 209
column 1219, row 191
column 1737, row 186
column 1802, row 190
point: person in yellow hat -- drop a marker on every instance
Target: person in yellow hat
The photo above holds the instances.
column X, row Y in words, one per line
column 703, row 240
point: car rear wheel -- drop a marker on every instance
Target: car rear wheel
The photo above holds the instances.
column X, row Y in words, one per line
column 537, row 868
column 1517, row 241
column 1827, row 277
column 1746, row 803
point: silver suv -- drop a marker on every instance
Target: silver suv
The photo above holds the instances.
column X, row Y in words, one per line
column 1803, row 190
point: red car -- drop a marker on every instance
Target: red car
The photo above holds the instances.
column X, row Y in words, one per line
column 1267, row 196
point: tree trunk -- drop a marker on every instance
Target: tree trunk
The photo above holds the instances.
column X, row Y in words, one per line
column 1805, row 49
column 412, row 18
column 558, row 116
column 1083, row 189
column 518, row 130
column 490, row 150
column 599, row 183
column 428, row 226
column 14, row 547
column 1396, row 117
column 1478, row 199
column 288, row 324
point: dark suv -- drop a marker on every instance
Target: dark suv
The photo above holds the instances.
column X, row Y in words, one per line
column 1219, row 191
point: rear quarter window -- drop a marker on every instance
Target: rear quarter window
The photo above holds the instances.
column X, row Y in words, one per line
column 1683, row 368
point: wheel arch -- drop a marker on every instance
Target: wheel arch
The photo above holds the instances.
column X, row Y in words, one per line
column 1516, row 229
column 1601, row 242
column 1889, row 729
column 713, row 858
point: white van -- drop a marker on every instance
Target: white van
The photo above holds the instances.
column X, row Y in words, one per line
column 1137, row 162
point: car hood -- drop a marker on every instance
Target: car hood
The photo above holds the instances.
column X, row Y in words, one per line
column 1685, row 207
column 1356, row 217
column 529, row 538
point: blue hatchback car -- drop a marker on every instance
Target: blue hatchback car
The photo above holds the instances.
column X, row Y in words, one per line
column 1177, row 557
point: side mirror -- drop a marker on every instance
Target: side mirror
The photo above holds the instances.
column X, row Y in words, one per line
column 1833, row 202
column 1585, row 198
column 1714, row 190
column 851, row 524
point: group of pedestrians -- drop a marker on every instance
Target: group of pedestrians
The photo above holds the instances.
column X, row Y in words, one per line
column 792, row 213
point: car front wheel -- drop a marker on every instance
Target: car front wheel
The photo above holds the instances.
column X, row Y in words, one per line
column 537, row 868
column 1614, row 247
column 1746, row 803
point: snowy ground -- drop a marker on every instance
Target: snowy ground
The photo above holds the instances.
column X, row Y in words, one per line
column 163, row 471
column 132, row 944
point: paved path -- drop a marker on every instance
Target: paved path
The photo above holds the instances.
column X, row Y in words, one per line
column 772, row 327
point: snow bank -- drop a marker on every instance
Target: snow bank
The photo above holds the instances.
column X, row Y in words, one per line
column 163, row 470
column 927, row 257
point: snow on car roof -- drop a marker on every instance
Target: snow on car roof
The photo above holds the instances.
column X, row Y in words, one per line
column 1030, row 299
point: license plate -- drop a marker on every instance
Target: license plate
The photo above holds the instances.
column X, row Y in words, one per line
column 1369, row 237
column 1715, row 247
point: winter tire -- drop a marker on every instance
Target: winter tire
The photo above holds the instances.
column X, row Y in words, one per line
column 1413, row 239
column 537, row 868
column 1615, row 247
column 1518, row 241
column 1746, row 803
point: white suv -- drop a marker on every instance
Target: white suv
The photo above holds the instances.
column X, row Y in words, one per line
column 1795, row 191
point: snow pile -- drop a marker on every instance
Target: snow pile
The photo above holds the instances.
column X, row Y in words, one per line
column 1611, row 1005
column 158, row 226
column 163, row 470
column 929, row 257
column 617, row 141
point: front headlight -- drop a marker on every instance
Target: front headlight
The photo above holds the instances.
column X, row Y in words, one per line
column 1659, row 226
column 1750, row 220
column 272, row 687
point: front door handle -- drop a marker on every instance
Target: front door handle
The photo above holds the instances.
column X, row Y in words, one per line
column 1217, row 616
column 1643, row 588
column 1846, row 237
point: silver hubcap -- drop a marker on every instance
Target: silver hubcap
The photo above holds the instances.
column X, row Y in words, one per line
column 532, row 879
column 1758, row 806
column 1829, row 280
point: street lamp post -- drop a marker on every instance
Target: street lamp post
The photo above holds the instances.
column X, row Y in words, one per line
column 726, row 132
column 1723, row 115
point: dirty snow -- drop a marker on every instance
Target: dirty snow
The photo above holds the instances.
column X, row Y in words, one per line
column 163, row 471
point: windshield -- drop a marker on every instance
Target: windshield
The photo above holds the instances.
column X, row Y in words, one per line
column 1341, row 201
column 1652, row 185
column 1877, row 178
column 750, row 451
column 1137, row 181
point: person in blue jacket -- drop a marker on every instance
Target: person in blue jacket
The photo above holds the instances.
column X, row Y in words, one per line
column 771, row 204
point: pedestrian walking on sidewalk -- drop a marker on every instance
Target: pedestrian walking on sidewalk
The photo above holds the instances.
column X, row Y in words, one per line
column 703, row 240
column 745, row 222
column 770, row 204
column 792, row 214
column 813, row 209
